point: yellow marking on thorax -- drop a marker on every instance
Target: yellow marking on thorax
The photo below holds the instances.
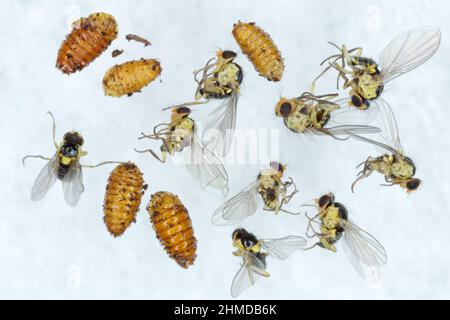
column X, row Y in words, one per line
column 300, row 122
column 368, row 85
column 267, row 181
column 180, row 135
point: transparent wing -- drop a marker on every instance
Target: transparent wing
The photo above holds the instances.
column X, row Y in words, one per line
column 408, row 51
column 365, row 253
column 73, row 184
column 219, row 129
column 239, row 207
column 345, row 130
column 206, row 167
column 389, row 129
column 45, row 180
column 251, row 270
column 388, row 125
column 283, row 248
column 349, row 119
column 374, row 142
column 349, row 115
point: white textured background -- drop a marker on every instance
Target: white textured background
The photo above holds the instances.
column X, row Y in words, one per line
column 49, row 250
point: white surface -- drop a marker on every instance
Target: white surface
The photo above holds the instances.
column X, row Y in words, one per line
column 46, row 246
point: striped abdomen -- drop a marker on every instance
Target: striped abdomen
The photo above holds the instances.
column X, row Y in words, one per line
column 173, row 227
column 260, row 49
column 89, row 38
column 62, row 170
column 130, row 77
column 123, row 197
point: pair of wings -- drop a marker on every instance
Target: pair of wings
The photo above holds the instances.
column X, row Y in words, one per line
column 253, row 268
column 72, row 181
column 389, row 133
column 365, row 253
column 408, row 51
column 219, row 129
column 206, row 167
column 239, row 207
column 347, row 120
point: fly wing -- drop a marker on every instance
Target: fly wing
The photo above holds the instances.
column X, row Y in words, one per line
column 365, row 253
column 73, row 184
column 349, row 115
column 408, row 51
column 239, row 207
column 388, row 132
column 219, row 129
column 349, row 119
column 206, row 167
column 345, row 130
column 389, row 128
column 251, row 270
column 45, row 180
column 283, row 248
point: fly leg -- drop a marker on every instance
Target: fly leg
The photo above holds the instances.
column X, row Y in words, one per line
column 205, row 70
column 100, row 164
column 310, row 226
column 205, row 75
column 35, row 156
column 364, row 173
column 53, row 129
column 390, row 182
column 287, row 184
column 164, row 149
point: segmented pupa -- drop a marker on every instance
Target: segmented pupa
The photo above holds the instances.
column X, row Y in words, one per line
column 260, row 49
column 173, row 227
column 130, row 77
column 123, row 195
column 89, row 38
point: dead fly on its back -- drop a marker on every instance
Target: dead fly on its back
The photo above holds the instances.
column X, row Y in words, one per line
column 366, row 77
column 254, row 252
column 219, row 79
column 179, row 134
column 397, row 168
column 65, row 166
column 269, row 186
column 311, row 114
column 365, row 253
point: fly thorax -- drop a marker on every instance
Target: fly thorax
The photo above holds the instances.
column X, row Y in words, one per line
column 402, row 169
column 229, row 76
column 381, row 164
column 269, row 190
column 331, row 218
column 300, row 119
column 369, row 85
column 68, row 152
column 182, row 134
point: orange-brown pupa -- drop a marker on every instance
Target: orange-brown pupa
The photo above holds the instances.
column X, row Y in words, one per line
column 123, row 195
column 260, row 49
column 130, row 77
column 173, row 227
column 89, row 38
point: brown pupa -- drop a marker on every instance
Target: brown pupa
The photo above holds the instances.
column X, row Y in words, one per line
column 89, row 38
column 173, row 227
column 123, row 195
column 130, row 77
column 260, row 49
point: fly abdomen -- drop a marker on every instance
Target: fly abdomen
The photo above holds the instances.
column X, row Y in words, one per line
column 62, row 170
